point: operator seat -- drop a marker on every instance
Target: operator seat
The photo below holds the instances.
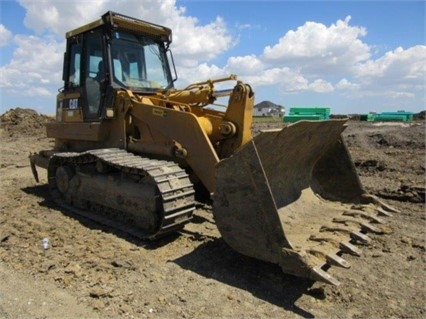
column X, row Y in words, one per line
column 93, row 90
column 100, row 75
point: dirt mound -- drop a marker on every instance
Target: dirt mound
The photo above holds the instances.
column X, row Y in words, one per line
column 390, row 135
column 405, row 139
column 420, row 116
column 406, row 193
column 20, row 121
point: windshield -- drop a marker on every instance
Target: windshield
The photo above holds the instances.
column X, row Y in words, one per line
column 139, row 62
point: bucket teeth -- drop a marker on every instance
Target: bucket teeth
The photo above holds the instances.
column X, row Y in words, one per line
column 360, row 237
column 323, row 239
column 374, row 199
column 362, row 224
column 389, row 208
column 349, row 248
column 383, row 212
column 353, row 234
column 335, row 260
column 371, row 228
column 320, row 275
column 342, row 245
column 330, row 258
column 372, row 218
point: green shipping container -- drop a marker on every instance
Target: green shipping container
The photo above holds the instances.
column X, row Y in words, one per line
column 400, row 116
column 307, row 113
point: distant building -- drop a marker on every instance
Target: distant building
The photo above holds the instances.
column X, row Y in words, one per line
column 267, row 108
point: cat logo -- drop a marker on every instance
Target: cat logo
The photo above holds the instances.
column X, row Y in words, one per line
column 73, row 104
column 159, row 112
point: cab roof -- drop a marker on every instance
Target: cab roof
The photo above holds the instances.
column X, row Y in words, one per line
column 117, row 21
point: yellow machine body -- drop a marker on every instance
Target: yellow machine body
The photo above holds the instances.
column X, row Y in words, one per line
column 133, row 147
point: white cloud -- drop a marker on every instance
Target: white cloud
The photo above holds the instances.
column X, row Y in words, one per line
column 344, row 84
column 320, row 53
column 286, row 79
column 35, row 68
column 398, row 66
column 275, row 75
column 199, row 73
column 192, row 41
column 242, row 26
column 5, row 35
column 316, row 48
column 245, row 65
column 321, row 86
column 201, row 43
column 38, row 91
column 398, row 74
column 400, row 95
column 57, row 17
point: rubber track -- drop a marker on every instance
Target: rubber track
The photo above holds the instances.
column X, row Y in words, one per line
column 176, row 190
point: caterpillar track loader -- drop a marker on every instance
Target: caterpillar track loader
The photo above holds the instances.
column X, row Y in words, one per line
column 131, row 151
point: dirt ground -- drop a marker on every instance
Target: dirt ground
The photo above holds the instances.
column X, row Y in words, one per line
column 89, row 271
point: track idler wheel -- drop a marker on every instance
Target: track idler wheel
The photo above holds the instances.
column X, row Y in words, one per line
column 64, row 175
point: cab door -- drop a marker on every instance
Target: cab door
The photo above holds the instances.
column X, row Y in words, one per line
column 84, row 79
column 95, row 79
column 70, row 100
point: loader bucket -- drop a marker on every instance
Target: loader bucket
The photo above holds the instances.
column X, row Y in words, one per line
column 293, row 197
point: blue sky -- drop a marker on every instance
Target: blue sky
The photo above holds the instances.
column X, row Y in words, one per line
column 352, row 56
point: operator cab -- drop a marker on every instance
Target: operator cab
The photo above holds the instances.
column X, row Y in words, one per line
column 112, row 53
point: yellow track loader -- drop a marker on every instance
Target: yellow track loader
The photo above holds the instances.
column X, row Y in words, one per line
column 131, row 151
